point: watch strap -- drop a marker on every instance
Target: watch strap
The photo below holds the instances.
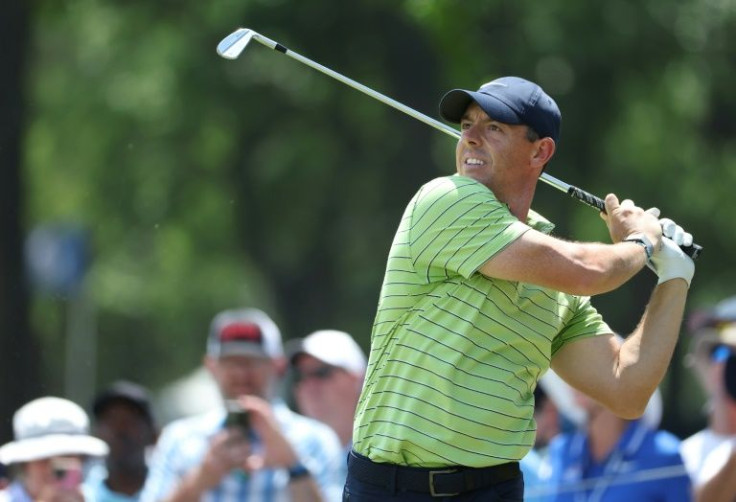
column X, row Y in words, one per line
column 642, row 240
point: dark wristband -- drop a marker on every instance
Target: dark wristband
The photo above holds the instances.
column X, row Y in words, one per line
column 298, row 471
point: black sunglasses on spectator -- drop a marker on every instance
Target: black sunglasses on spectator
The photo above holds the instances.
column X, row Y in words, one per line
column 321, row 373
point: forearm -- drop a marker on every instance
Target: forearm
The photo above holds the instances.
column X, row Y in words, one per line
column 646, row 353
column 576, row 268
column 606, row 267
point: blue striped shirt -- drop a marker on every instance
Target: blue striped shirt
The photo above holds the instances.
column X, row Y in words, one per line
column 184, row 443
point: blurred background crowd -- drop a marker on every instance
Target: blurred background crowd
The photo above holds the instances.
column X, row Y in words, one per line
column 148, row 184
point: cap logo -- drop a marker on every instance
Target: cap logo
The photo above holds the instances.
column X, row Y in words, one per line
column 241, row 332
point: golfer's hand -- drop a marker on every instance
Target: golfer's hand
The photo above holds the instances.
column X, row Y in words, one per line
column 626, row 218
column 670, row 262
column 675, row 233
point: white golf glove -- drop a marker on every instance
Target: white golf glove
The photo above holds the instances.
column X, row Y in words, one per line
column 669, row 261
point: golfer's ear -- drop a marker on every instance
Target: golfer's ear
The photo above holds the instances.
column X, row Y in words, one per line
column 543, row 152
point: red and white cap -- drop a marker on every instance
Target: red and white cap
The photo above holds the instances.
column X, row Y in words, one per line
column 244, row 332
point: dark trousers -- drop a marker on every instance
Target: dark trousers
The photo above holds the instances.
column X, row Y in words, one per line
column 371, row 482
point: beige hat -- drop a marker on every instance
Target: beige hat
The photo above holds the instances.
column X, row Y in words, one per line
column 48, row 427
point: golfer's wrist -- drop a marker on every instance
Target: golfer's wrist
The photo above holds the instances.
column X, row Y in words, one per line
column 643, row 241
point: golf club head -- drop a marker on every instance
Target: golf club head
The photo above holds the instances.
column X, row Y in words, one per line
column 232, row 45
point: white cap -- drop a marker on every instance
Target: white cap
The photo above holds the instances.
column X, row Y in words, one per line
column 48, row 427
column 332, row 347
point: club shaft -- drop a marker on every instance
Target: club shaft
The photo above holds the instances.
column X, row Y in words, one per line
column 440, row 126
column 573, row 191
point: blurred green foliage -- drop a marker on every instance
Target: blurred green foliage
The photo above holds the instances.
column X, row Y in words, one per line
column 209, row 184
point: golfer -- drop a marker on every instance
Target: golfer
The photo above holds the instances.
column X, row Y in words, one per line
column 479, row 300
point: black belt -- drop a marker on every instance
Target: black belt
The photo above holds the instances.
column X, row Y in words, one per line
column 441, row 482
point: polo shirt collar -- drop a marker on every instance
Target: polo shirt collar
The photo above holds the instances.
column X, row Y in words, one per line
column 539, row 222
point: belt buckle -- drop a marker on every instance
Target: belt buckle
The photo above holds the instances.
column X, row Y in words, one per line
column 432, row 491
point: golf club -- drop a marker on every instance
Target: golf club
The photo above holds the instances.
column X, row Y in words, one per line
column 234, row 44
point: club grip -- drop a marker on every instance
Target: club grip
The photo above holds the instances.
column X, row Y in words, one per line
column 693, row 251
column 587, row 198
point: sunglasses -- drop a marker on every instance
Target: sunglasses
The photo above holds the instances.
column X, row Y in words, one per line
column 321, row 373
column 720, row 353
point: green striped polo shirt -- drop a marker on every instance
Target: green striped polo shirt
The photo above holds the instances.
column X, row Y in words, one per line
column 455, row 356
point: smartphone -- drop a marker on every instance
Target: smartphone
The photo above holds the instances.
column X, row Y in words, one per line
column 237, row 417
column 67, row 472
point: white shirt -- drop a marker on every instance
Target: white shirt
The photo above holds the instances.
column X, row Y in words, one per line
column 696, row 449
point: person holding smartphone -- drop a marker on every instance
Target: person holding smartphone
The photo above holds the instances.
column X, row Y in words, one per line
column 47, row 457
column 254, row 447
column 710, row 453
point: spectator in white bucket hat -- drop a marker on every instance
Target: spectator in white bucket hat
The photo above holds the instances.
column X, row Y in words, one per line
column 51, row 443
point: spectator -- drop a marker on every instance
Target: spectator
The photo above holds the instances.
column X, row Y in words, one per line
column 554, row 412
column 281, row 456
column 329, row 367
column 51, row 444
column 123, row 419
column 613, row 459
column 710, row 451
column 4, row 481
column 717, row 480
column 546, row 416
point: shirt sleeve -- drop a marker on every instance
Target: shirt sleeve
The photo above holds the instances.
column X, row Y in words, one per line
column 585, row 322
column 319, row 449
column 162, row 475
column 457, row 224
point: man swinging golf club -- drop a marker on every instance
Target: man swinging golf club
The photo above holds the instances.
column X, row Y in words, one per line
column 478, row 301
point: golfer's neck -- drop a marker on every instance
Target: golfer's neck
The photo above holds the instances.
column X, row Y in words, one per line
column 517, row 196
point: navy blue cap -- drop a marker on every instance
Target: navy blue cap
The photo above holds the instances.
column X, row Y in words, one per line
column 511, row 100
column 125, row 391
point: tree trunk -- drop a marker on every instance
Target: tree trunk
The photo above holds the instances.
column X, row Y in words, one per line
column 18, row 351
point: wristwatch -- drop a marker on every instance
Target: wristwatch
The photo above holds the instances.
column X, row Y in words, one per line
column 643, row 241
column 298, row 471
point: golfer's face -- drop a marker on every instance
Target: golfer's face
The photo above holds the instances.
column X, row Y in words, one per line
column 488, row 150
